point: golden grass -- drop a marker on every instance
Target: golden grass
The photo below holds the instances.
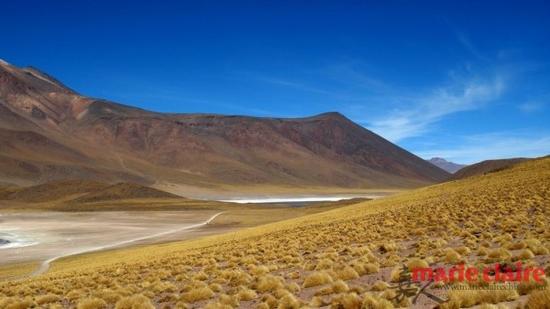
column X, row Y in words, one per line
column 326, row 252
column 14, row 271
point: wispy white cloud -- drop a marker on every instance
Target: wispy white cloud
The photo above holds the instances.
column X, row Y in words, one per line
column 293, row 84
column 465, row 41
column 496, row 145
column 531, row 107
column 356, row 74
column 422, row 111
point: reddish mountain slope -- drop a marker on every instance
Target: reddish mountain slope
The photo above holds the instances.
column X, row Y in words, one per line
column 49, row 132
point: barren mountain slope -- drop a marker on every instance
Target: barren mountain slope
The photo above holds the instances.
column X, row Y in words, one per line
column 53, row 133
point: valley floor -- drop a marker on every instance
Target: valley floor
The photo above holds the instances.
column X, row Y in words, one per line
column 36, row 237
column 352, row 257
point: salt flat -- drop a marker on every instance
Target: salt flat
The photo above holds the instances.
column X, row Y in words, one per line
column 300, row 199
column 40, row 236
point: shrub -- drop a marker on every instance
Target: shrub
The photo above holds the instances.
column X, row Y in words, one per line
column 317, row 278
column 259, row 270
column 317, row 302
column 324, row 264
column 462, row 250
column 347, row 301
column 91, row 303
column 270, row 301
column 197, row 294
column 339, row 287
column 134, row 302
column 526, row 254
column 229, row 300
column 46, row 299
column 13, row 303
column 452, row 257
column 374, row 302
column 347, row 273
column 216, row 287
column 417, row 263
column 371, row 268
column 289, row 302
column 217, row 305
column 246, row 294
column 380, row 286
column 482, row 251
column 270, row 283
column 499, row 254
column 293, row 287
column 388, row 247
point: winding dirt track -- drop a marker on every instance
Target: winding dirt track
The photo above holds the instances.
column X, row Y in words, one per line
column 45, row 265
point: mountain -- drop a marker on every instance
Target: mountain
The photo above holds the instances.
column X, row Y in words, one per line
column 450, row 167
column 48, row 132
column 485, row 167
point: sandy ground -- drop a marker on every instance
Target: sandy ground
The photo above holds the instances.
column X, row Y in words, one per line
column 42, row 236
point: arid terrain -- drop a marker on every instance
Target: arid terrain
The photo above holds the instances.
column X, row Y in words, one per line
column 47, row 235
column 349, row 257
column 275, row 154
column 36, row 234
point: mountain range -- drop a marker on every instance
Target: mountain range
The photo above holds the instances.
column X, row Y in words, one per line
column 49, row 132
column 450, row 167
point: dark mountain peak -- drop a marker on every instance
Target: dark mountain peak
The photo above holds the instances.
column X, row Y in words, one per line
column 331, row 115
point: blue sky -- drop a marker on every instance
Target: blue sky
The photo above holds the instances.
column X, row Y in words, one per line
column 464, row 80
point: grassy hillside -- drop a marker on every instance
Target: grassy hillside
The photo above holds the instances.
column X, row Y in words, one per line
column 485, row 167
column 345, row 258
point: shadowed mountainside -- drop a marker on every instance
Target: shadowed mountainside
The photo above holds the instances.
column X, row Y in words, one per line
column 48, row 133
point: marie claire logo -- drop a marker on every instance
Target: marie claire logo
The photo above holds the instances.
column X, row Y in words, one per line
column 420, row 281
column 494, row 274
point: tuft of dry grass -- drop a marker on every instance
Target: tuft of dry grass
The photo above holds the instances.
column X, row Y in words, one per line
column 91, row 303
column 416, row 263
column 132, row 302
column 371, row 301
column 317, row 278
column 197, row 294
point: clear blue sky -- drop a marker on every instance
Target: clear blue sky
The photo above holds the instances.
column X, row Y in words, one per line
column 466, row 81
